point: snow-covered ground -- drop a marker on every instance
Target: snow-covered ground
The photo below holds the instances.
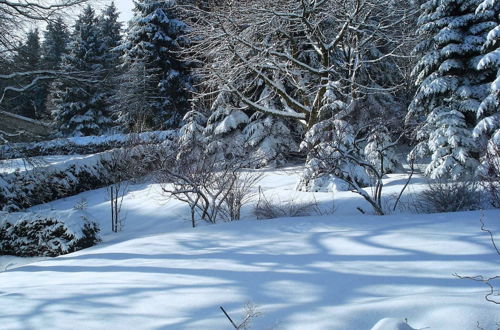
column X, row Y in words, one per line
column 338, row 271
column 22, row 164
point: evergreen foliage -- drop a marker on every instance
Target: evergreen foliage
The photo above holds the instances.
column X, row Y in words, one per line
column 487, row 130
column 110, row 39
column 450, row 88
column 155, row 72
column 28, row 58
column 81, row 108
column 55, row 43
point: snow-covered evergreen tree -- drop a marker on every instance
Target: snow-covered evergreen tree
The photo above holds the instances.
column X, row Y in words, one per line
column 327, row 167
column 192, row 142
column 154, row 38
column 55, row 43
column 450, row 88
column 28, row 58
column 110, row 40
column 487, row 130
column 269, row 138
column 110, row 34
column 224, row 130
column 380, row 150
column 81, row 107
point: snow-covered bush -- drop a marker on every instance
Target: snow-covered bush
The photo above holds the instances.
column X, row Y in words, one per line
column 83, row 145
column 213, row 189
column 20, row 190
column 47, row 235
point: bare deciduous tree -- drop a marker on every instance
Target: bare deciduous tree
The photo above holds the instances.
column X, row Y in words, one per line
column 300, row 50
column 251, row 313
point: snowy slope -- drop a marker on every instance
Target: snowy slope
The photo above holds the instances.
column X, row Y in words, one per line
column 341, row 271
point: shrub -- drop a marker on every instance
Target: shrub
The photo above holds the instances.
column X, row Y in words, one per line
column 449, row 196
column 489, row 173
column 20, row 190
column 275, row 208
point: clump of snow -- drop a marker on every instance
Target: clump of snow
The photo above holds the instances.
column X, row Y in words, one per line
column 328, row 183
column 391, row 324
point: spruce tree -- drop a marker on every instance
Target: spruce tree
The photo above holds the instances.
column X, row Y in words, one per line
column 154, row 40
column 224, row 129
column 54, row 46
column 450, row 88
column 55, row 43
column 81, row 106
column 28, row 103
column 110, row 34
column 110, row 40
column 487, row 130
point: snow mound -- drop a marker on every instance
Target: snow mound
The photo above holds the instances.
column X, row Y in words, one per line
column 391, row 324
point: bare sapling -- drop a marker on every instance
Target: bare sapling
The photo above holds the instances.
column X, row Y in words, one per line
column 117, row 162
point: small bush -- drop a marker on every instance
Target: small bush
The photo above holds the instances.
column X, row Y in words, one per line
column 37, row 235
column 448, row 196
column 489, row 174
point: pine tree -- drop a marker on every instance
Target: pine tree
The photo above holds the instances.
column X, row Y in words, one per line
column 487, row 130
column 137, row 91
column 110, row 40
column 192, row 142
column 269, row 138
column 54, row 47
column 450, row 88
column 110, row 34
column 224, row 129
column 154, row 39
column 55, row 43
column 29, row 103
column 81, row 107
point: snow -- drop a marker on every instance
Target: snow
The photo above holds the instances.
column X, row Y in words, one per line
column 391, row 324
column 91, row 144
column 340, row 271
column 22, row 164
